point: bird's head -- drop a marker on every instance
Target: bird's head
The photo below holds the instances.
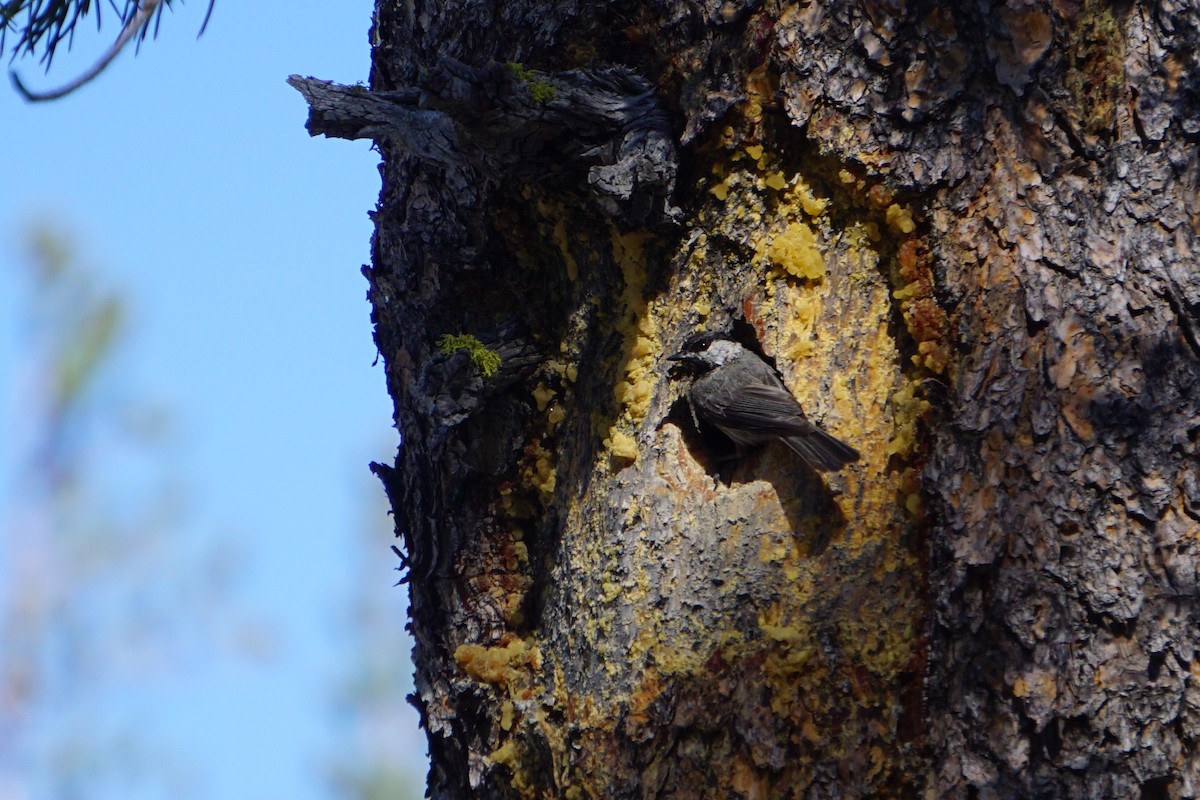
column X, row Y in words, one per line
column 707, row 351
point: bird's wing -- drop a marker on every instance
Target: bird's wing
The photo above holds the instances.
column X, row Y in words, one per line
column 762, row 408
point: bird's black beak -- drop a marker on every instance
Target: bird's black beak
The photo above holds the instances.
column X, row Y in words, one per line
column 685, row 362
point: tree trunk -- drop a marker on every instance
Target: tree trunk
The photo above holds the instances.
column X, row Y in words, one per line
column 963, row 234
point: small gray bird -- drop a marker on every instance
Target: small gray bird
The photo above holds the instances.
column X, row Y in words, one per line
column 743, row 397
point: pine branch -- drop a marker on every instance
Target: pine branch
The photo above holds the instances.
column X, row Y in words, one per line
column 41, row 25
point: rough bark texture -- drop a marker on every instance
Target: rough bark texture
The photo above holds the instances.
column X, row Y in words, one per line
column 965, row 234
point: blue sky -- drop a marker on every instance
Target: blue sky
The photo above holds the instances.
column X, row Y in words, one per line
column 185, row 177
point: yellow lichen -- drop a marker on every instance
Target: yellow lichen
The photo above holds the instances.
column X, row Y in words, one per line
column 932, row 355
column 907, row 409
column 899, row 218
column 497, row 665
column 814, row 206
column 539, row 470
column 801, row 349
column 776, row 181
column 803, row 194
column 506, row 754
column 798, row 643
column 542, row 395
column 885, row 647
column 634, row 392
column 771, row 550
column 546, row 478
column 506, row 715
column 510, row 755
column 563, row 369
column 621, row 445
column 645, row 344
column 792, row 318
column 612, row 590
column 907, row 291
column 795, row 251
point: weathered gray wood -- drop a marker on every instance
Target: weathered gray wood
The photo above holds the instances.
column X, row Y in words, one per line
column 506, row 122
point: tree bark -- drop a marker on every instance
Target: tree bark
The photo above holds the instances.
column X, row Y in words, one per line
column 963, row 233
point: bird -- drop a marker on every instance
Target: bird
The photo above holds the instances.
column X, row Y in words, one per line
column 742, row 396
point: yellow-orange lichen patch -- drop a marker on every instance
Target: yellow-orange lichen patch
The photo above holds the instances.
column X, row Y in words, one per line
column 621, row 445
column 795, row 251
column 540, row 470
column 776, row 181
column 500, row 665
column 907, row 410
column 900, row 218
column 542, row 395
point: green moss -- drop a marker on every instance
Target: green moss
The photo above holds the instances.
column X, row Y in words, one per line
column 487, row 361
column 543, row 92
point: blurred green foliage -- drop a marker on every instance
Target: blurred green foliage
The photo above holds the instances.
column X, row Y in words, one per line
column 100, row 583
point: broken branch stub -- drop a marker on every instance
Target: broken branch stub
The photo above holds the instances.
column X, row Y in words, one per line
column 505, row 121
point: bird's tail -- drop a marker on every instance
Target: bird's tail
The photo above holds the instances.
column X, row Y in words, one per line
column 822, row 451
